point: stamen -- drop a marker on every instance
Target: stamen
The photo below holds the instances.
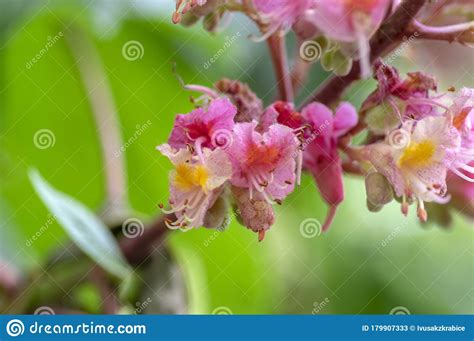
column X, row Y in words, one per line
column 428, row 101
column 197, row 146
column 363, row 45
column 299, row 166
column 261, row 235
column 404, row 205
column 421, row 212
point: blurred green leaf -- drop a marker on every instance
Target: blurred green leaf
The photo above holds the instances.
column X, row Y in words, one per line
column 84, row 228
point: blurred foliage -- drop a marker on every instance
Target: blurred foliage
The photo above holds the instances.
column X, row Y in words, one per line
column 366, row 263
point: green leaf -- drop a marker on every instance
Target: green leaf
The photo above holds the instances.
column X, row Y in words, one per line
column 84, row 228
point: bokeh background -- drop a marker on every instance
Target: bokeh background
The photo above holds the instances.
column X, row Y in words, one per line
column 368, row 263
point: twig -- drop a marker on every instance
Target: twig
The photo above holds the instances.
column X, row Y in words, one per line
column 105, row 113
column 461, row 33
column 137, row 250
column 299, row 71
column 110, row 304
column 276, row 44
column 391, row 31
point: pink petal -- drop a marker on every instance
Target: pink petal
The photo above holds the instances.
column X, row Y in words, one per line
column 345, row 119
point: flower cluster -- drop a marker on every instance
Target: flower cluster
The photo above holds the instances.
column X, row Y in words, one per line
column 253, row 163
column 426, row 139
column 349, row 23
column 232, row 151
column 211, row 153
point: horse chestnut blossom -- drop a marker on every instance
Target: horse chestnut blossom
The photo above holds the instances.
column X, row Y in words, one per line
column 195, row 184
column 321, row 157
column 233, row 150
column 417, row 157
column 203, row 128
column 282, row 13
column 351, row 21
column 262, row 164
column 402, row 98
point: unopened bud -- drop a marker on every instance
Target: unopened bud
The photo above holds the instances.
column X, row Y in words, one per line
column 378, row 189
column 217, row 215
column 256, row 215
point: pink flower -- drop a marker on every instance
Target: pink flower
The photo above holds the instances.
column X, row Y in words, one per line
column 264, row 163
column 283, row 113
column 256, row 214
column 204, row 128
column 344, row 20
column 407, row 98
column 417, row 158
column 462, row 193
column 462, row 111
column 195, row 183
column 351, row 21
column 321, row 157
column 282, row 13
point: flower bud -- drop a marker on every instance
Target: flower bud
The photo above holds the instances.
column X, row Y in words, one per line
column 249, row 106
column 373, row 208
column 378, row 189
column 257, row 215
column 217, row 215
column 383, row 118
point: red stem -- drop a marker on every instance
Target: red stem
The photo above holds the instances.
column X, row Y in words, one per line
column 276, row 44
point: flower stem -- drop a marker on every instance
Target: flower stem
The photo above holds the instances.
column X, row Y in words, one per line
column 462, row 33
column 276, row 44
column 389, row 33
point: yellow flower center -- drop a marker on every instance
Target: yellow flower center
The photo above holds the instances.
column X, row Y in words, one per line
column 190, row 176
column 417, row 155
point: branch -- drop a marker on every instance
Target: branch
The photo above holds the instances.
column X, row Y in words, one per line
column 276, row 44
column 110, row 305
column 390, row 32
column 300, row 71
column 461, row 33
column 137, row 250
